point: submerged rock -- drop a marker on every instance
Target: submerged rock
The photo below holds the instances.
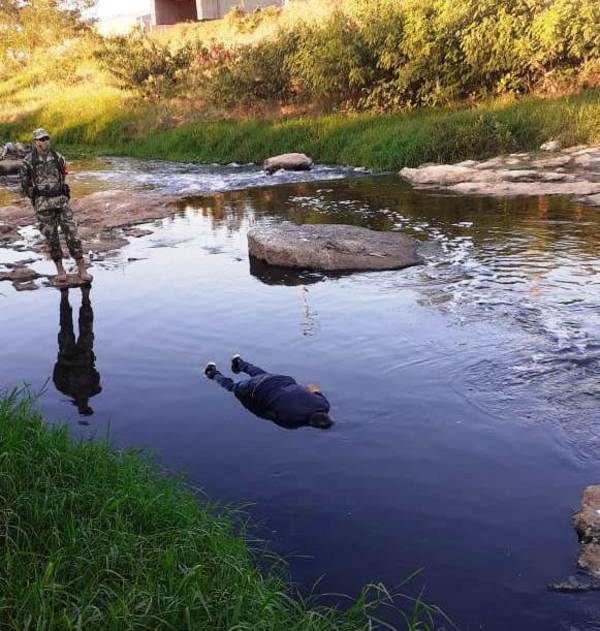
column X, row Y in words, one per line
column 332, row 247
column 29, row 286
column 575, row 585
column 19, row 275
column 288, row 162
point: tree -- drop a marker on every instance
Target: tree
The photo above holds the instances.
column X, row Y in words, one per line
column 27, row 25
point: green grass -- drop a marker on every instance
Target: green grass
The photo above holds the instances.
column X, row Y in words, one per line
column 110, row 122
column 97, row 539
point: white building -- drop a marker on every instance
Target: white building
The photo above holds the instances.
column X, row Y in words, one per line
column 174, row 11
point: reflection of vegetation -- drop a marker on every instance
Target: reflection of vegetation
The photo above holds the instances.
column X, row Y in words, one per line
column 98, row 539
column 386, row 202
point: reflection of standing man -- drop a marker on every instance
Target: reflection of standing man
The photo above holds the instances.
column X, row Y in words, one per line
column 75, row 373
column 43, row 174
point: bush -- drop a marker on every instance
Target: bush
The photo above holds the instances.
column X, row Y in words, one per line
column 381, row 55
column 249, row 72
column 141, row 64
column 331, row 63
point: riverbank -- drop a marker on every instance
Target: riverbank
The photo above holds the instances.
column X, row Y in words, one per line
column 98, row 539
column 116, row 124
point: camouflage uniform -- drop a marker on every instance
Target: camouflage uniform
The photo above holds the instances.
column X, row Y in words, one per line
column 43, row 181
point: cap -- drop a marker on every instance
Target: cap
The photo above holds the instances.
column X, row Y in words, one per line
column 39, row 133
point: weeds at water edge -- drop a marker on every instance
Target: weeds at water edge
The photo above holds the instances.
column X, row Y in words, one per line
column 98, row 539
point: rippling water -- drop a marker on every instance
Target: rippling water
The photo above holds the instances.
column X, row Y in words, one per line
column 465, row 390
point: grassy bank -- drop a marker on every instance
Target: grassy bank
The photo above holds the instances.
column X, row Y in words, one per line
column 114, row 123
column 98, row 539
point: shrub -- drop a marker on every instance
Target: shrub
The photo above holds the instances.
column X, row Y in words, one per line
column 331, row 63
column 248, row 72
column 141, row 64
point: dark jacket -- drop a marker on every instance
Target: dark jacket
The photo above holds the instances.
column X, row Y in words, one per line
column 285, row 401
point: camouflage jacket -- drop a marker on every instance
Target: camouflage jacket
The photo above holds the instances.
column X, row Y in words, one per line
column 43, row 180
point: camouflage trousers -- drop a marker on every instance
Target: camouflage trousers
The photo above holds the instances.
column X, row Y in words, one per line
column 48, row 223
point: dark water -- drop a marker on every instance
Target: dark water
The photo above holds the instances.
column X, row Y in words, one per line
column 466, row 391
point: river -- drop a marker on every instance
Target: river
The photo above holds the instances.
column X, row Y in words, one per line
column 466, row 391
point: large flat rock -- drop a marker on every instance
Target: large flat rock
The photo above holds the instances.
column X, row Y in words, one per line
column 332, row 247
column 105, row 218
column 10, row 167
column 572, row 171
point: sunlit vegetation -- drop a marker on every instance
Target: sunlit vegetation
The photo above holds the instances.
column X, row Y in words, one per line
column 110, row 124
column 380, row 55
column 377, row 83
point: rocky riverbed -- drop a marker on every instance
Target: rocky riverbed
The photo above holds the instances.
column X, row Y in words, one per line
column 106, row 219
column 574, row 171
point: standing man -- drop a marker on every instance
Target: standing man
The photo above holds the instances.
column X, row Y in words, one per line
column 43, row 174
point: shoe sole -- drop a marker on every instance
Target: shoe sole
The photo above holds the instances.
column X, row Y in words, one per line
column 210, row 364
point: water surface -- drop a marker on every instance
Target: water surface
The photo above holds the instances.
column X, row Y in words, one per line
column 465, row 391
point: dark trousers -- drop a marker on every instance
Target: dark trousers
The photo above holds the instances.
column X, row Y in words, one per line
column 244, row 389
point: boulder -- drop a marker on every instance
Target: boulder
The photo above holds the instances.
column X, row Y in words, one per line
column 332, row 247
column 19, row 275
column 10, row 167
column 587, row 521
column 288, row 162
column 589, row 559
column 551, row 145
column 439, row 174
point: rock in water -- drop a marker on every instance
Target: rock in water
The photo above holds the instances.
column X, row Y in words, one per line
column 587, row 521
column 10, row 167
column 19, row 274
column 72, row 280
column 589, row 559
column 288, row 162
column 551, row 145
column 332, row 247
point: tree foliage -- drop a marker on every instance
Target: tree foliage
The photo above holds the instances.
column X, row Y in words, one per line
column 30, row 25
column 368, row 54
column 392, row 54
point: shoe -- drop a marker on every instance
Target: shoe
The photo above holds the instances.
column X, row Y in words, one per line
column 236, row 364
column 210, row 370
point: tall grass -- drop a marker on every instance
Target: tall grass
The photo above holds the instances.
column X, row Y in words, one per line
column 108, row 123
column 97, row 539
